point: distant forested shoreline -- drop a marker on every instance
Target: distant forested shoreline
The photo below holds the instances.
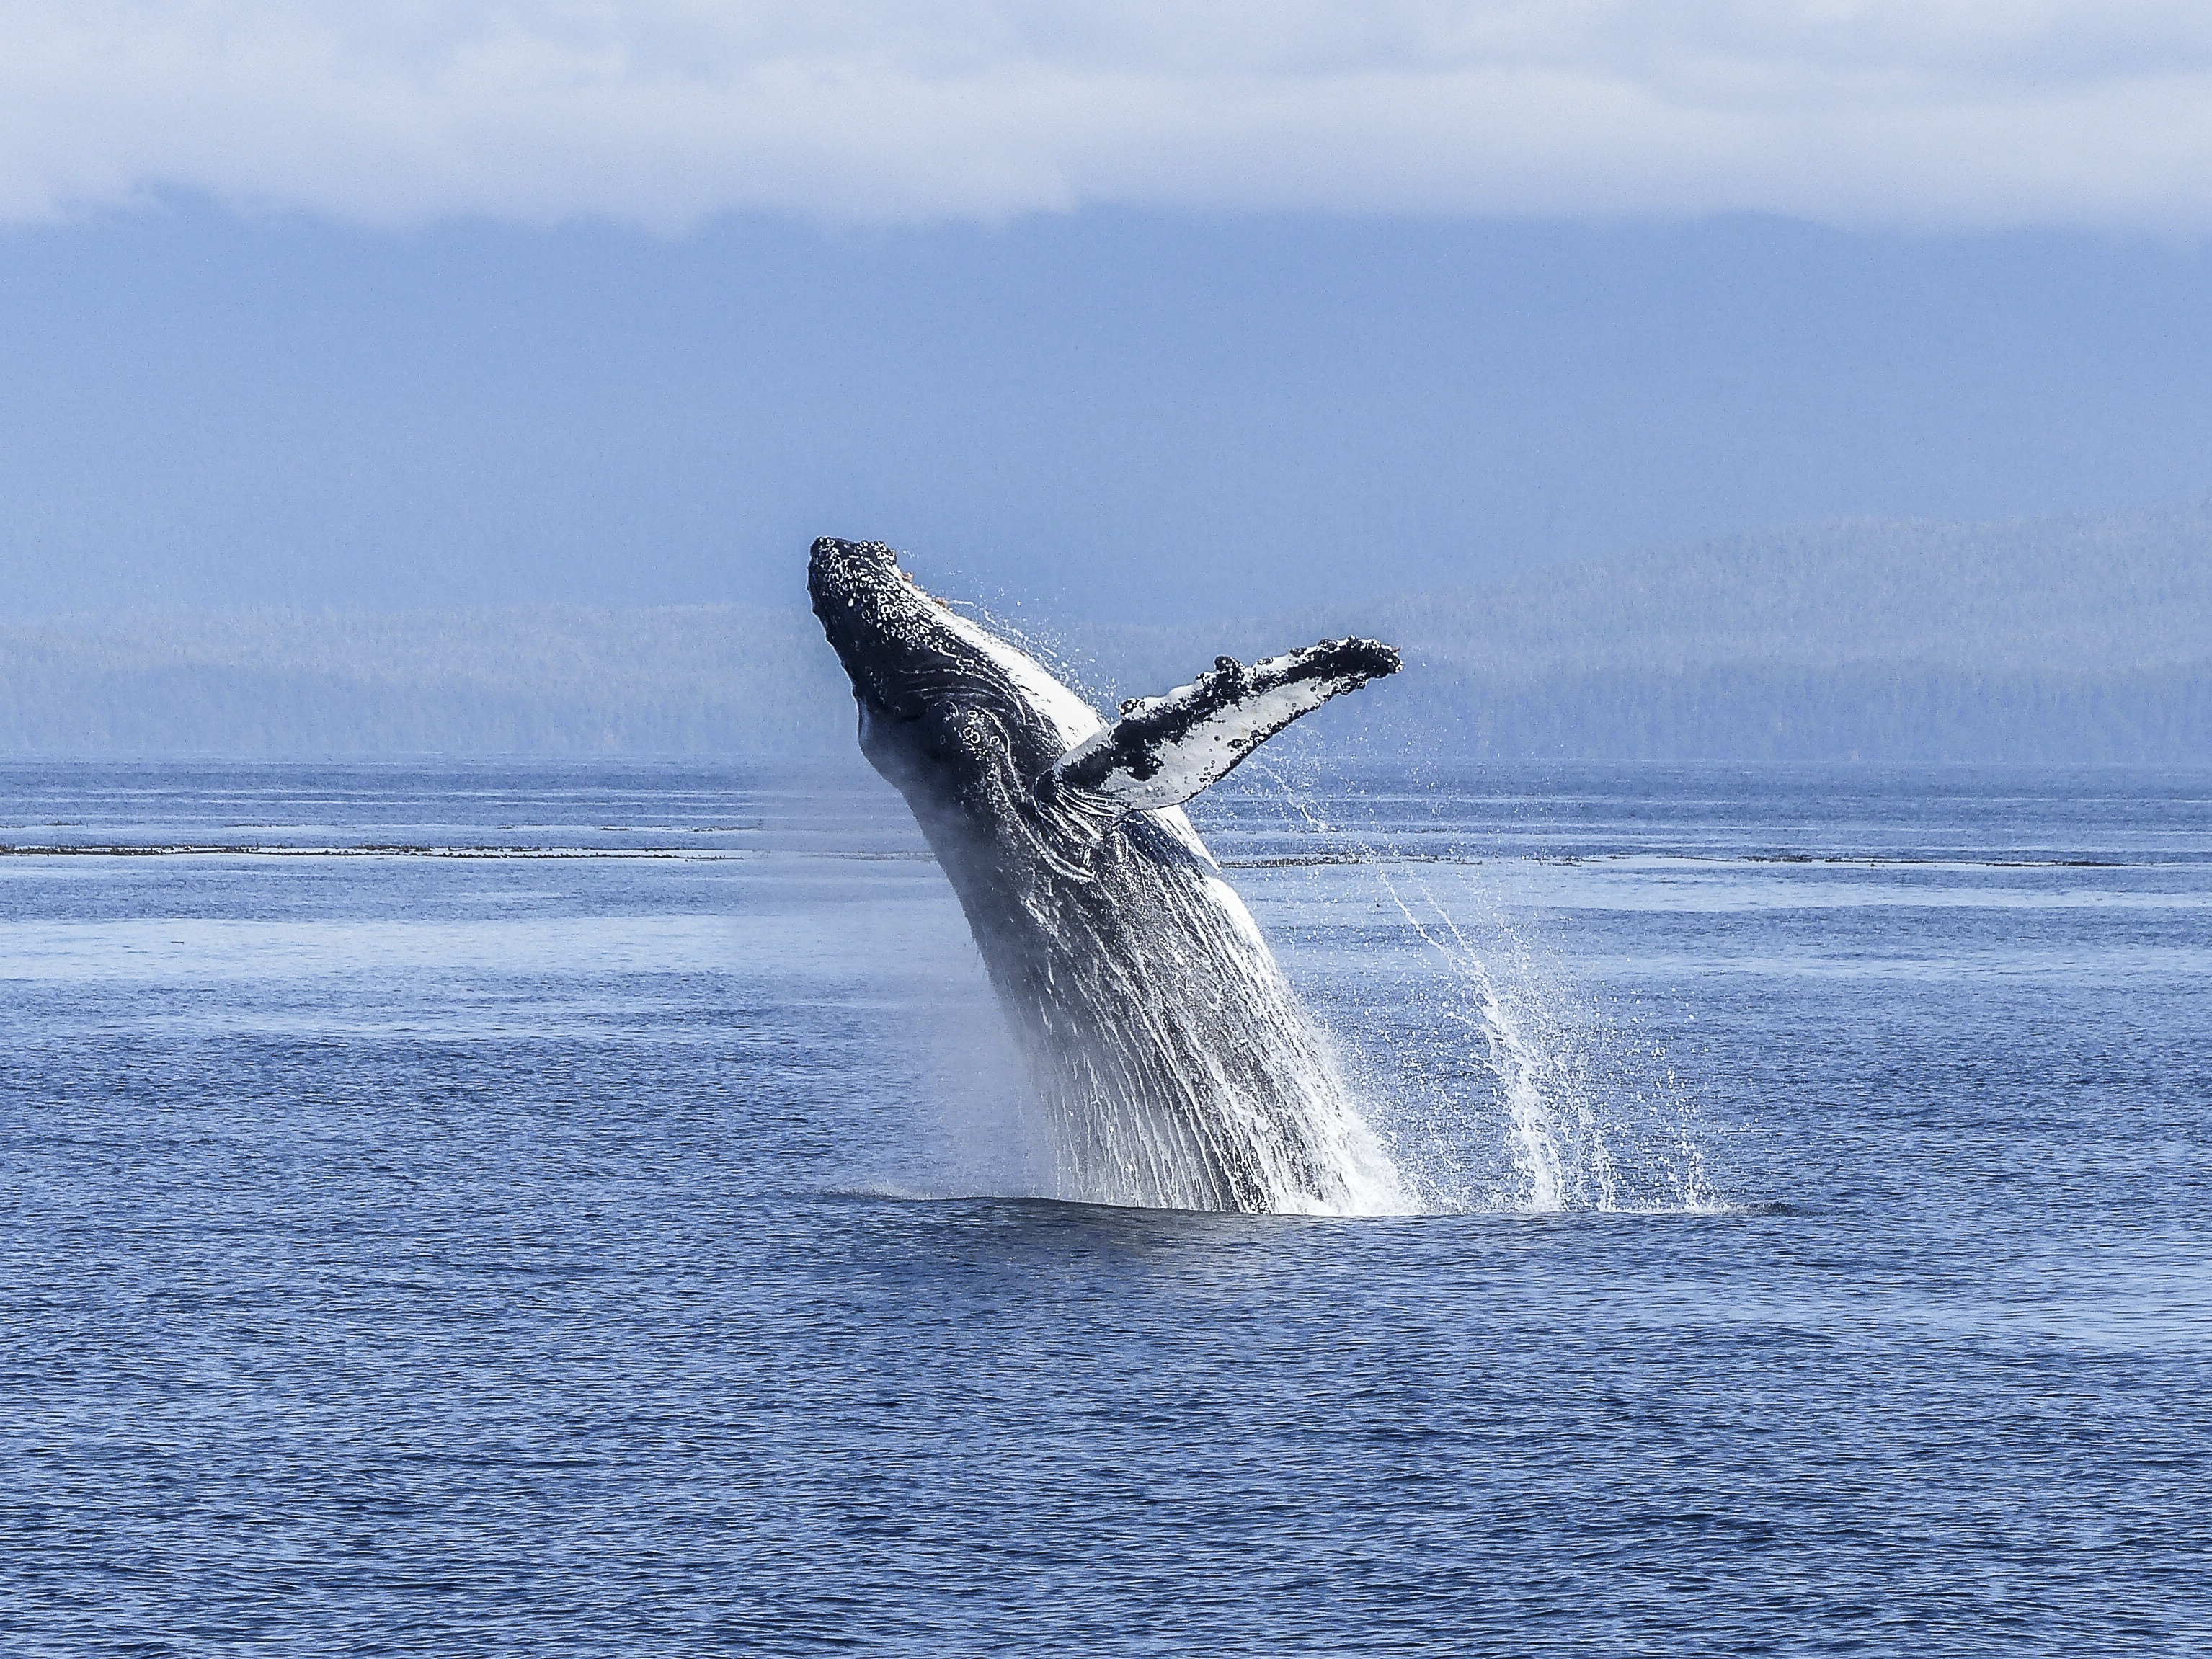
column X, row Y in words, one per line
column 2082, row 641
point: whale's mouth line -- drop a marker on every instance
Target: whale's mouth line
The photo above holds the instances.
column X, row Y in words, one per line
column 921, row 593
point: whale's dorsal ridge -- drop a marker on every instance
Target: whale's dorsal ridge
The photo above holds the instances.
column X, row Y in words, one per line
column 1166, row 749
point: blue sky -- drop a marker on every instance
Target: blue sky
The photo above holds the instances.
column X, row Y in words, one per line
column 1102, row 307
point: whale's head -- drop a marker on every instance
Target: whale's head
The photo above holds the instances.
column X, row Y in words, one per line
column 978, row 735
column 947, row 708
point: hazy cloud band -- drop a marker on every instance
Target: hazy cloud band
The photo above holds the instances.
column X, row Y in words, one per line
column 1939, row 112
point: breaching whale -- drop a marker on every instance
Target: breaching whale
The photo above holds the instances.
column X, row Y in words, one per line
column 1180, row 1071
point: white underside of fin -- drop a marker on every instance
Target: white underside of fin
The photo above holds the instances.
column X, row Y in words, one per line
column 1213, row 745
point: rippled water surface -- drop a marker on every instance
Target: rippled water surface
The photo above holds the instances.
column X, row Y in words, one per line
column 476, row 1209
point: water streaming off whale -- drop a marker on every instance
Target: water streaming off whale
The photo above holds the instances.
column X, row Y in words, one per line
column 1180, row 1071
column 1499, row 1084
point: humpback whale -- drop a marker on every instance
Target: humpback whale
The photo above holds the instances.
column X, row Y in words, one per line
column 1177, row 1067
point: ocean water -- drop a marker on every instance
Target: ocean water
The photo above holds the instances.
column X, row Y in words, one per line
column 589, row 1209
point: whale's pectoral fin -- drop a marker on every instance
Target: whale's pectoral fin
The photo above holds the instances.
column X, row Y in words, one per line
column 1166, row 749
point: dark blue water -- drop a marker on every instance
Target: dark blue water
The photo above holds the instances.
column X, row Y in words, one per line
column 607, row 1248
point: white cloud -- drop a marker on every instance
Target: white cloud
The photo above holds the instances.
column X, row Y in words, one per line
column 1943, row 112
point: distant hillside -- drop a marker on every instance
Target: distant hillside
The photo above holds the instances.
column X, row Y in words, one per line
column 2079, row 640
column 551, row 680
column 2085, row 640
column 2080, row 596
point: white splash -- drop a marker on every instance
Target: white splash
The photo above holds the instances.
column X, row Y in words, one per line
column 1571, row 1115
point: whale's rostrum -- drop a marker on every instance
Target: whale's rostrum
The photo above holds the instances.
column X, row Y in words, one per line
column 1178, row 1067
